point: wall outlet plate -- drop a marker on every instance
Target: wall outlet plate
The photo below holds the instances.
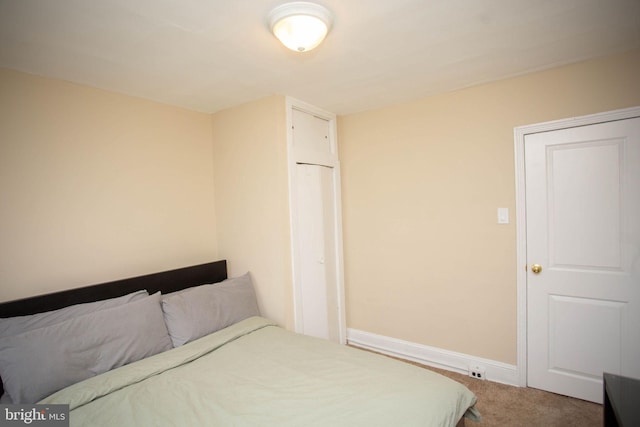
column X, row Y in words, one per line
column 477, row 372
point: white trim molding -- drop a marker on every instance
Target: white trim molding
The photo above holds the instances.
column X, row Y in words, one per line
column 431, row 356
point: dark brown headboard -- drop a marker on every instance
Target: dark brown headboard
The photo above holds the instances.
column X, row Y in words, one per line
column 166, row 281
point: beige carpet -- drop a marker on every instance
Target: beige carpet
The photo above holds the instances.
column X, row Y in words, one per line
column 503, row 405
column 507, row 406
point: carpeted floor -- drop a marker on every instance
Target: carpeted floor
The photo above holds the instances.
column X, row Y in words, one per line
column 502, row 405
column 507, row 406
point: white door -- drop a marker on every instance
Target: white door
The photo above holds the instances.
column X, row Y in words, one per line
column 316, row 227
column 582, row 189
column 317, row 254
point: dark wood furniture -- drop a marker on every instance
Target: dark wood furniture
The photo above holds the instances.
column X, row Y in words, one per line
column 165, row 282
column 621, row 401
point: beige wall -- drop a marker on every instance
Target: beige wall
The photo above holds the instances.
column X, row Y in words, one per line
column 425, row 260
column 252, row 207
column 97, row 186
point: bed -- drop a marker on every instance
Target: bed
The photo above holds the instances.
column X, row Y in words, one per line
column 188, row 347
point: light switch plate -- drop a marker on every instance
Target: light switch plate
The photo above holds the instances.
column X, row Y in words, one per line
column 503, row 215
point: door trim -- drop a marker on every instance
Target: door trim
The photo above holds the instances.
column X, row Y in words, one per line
column 521, row 238
column 333, row 162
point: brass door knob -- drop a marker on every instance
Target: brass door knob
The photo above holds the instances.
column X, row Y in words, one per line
column 536, row 268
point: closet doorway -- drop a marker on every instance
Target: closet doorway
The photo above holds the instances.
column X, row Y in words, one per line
column 316, row 222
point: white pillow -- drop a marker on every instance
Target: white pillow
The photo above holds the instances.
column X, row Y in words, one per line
column 202, row 310
column 41, row 361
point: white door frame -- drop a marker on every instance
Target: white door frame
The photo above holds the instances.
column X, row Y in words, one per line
column 521, row 222
column 333, row 162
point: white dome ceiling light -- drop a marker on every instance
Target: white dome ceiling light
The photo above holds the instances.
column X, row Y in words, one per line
column 300, row 26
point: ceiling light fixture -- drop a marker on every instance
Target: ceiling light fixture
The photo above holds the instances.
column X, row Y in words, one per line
column 300, row 25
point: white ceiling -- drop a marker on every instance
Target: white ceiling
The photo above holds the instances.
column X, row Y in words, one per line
column 207, row 55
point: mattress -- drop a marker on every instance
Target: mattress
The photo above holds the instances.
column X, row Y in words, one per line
column 254, row 373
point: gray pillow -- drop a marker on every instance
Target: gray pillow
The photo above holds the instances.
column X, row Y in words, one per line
column 17, row 325
column 42, row 361
column 199, row 311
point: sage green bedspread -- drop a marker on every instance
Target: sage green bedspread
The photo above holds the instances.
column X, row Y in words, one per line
column 257, row 374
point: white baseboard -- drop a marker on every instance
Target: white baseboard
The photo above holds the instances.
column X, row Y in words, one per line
column 435, row 357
